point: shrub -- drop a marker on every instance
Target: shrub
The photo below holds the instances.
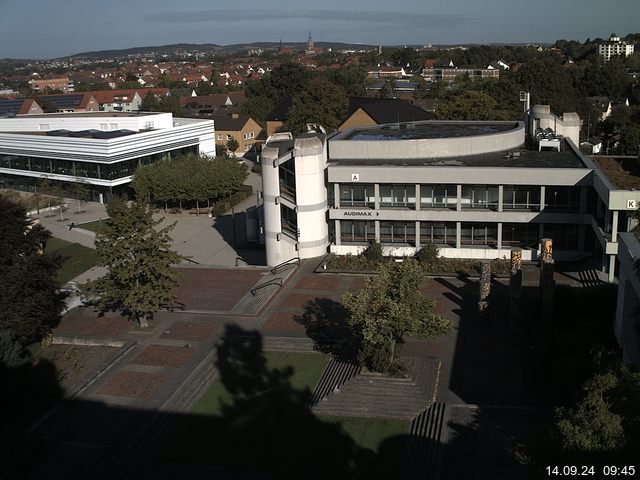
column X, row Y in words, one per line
column 427, row 254
column 257, row 168
column 376, row 358
column 373, row 252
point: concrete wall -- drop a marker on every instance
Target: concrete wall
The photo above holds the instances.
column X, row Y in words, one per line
column 79, row 121
column 628, row 299
column 568, row 125
column 428, row 147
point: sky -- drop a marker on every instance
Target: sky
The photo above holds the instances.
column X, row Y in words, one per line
column 56, row 28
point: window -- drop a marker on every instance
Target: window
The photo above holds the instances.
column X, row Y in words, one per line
column 357, row 195
column 398, row 195
column 440, row 233
column 438, row 196
column 479, row 234
column 43, row 126
column 562, row 199
column 220, row 136
column 229, row 137
column 524, row 235
column 113, row 126
column 480, row 196
column 403, row 233
column 289, row 222
column 103, row 126
column 287, row 173
column 357, row 231
column 521, row 197
column 565, row 237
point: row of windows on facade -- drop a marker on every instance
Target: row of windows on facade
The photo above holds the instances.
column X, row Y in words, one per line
column 446, row 196
column 103, row 171
column 525, row 235
column 245, row 136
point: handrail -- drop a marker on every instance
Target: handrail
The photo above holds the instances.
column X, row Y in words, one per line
column 275, row 281
column 192, row 261
column 283, row 264
column 240, row 258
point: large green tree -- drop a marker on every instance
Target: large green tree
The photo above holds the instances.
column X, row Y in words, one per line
column 138, row 254
column 321, row 102
column 389, row 307
column 29, row 302
column 471, row 105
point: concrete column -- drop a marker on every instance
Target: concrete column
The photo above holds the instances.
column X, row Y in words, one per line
column 418, row 243
column 459, row 198
column 583, row 199
column 500, row 198
column 499, row 235
column 336, row 195
column 542, row 190
column 614, row 226
column 631, row 223
column 540, row 235
column 376, row 194
column 458, row 233
column 377, row 225
column 417, row 201
column 338, row 232
column 612, row 268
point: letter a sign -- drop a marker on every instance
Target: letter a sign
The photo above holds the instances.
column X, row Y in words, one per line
column 355, row 177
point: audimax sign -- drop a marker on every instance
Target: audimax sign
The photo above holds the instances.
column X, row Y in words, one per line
column 359, row 213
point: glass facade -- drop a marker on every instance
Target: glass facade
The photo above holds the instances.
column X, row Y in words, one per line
column 523, row 235
column 439, row 196
column 565, row 237
column 74, row 168
column 479, row 234
column 521, row 197
column 289, row 221
column 357, row 232
column 357, row 195
column 479, row 196
column 398, row 233
column 287, row 172
column 398, row 195
column 440, row 233
column 562, row 199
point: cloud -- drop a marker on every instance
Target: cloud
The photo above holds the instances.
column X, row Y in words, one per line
column 408, row 20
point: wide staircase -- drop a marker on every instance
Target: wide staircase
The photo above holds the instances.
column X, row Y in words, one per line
column 368, row 394
column 426, row 443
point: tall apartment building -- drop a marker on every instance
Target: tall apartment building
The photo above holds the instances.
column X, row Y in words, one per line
column 614, row 47
column 64, row 84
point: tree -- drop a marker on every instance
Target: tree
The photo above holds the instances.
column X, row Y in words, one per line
column 80, row 189
column 352, row 78
column 471, row 105
column 387, row 89
column 29, row 302
column 232, row 146
column 150, row 103
column 321, row 102
column 591, row 426
column 391, row 306
column 138, row 255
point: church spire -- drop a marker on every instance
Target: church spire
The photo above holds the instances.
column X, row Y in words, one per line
column 309, row 42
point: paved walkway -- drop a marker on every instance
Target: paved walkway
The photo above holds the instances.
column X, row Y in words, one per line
column 485, row 365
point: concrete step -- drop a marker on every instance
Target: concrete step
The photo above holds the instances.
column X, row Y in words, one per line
column 425, row 447
column 288, row 344
column 333, row 378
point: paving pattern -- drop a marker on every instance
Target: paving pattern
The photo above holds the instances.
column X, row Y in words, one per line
column 171, row 365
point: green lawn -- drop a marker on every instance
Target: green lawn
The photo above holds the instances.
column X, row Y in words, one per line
column 370, row 432
column 272, row 431
column 307, row 370
column 77, row 258
column 94, row 226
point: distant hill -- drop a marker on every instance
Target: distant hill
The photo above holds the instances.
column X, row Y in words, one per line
column 210, row 48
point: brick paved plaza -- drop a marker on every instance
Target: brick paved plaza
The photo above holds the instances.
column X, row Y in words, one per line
column 483, row 364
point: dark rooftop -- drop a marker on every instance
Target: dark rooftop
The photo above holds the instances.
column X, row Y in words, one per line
column 519, row 158
column 415, row 131
column 623, row 173
column 388, row 110
column 90, row 133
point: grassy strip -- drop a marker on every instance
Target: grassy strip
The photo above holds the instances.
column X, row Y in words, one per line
column 77, row 259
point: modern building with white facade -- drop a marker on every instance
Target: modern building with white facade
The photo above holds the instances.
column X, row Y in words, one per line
column 101, row 149
column 475, row 189
column 614, row 47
